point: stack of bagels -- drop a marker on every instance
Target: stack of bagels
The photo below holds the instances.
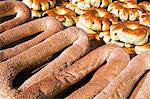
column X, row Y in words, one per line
column 46, row 49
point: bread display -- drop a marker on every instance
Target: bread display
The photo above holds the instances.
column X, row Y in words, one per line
column 74, row 49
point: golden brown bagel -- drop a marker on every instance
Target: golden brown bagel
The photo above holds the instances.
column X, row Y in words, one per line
column 95, row 3
column 142, row 48
column 65, row 15
column 97, row 20
column 133, row 1
column 130, row 32
column 116, row 61
column 75, row 37
column 125, row 11
column 145, row 5
column 8, row 8
column 40, row 4
column 48, row 26
column 145, row 19
column 122, row 85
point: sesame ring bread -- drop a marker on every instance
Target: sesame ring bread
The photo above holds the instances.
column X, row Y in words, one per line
column 130, row 32
column 65, row 15
column 145, row 19
column 125, row 11
column 48, row 26
column 116, row 62
column 97, row 20
column 122, row 85
column 79, row 44
column 8, row 8
column 145, row 5
column 54, row 83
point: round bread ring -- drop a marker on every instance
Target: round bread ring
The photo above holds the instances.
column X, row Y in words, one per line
column 145, row 19
column 125, row 11
column 142, row 48
column 36, row 54
column 40, row 4
column 122, row 85
column 11, row 8
column 97, row 20
column 55, row 82
column 65, row 15
column 130, row 32
column 145, row 5
column 95, row 3
column 48, row 26
column 116, row 61
column 133, row 1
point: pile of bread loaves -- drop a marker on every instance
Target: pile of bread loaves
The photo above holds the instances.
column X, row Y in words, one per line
column 52, row 52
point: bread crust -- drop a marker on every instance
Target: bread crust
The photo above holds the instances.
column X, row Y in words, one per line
column 122, row 85
column 11, row 8
column 36, row 54
column 58, row 81
column 97, row 20
column 130, row 32
column 116, row 61
column 125, row 11
column 63, row 14
column 48, row 26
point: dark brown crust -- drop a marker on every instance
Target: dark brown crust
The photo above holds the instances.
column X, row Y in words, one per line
column 49, row 25
column 11, row 8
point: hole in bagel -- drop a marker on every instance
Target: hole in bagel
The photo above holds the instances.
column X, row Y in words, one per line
column 21, row 41
column 6, row 18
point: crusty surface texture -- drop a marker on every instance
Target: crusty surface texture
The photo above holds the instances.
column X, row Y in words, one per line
column 58, row 81
column 117, row 61
column 48, row 26
column 122, row 85
column 11, row 8
column 136, row 90
column 144, row 91
column 36, row 54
